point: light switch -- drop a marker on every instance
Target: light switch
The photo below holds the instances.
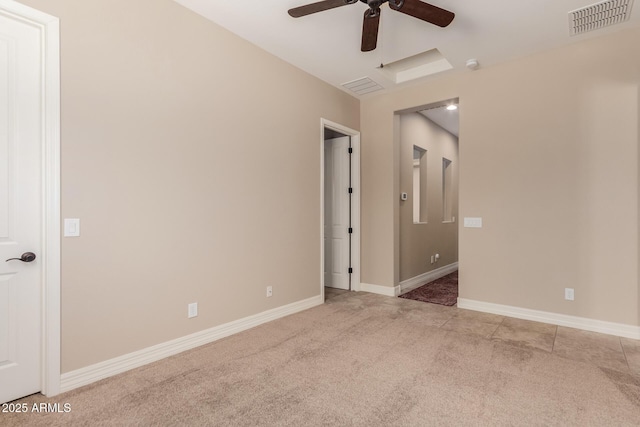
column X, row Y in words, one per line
column 470, row 222
column 71, row 227
column 192, row 310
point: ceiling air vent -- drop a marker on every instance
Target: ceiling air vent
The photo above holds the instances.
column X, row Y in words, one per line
column 362, row 86
column 599, row 15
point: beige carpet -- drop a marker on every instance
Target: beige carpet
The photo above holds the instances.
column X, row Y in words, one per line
column 362, row 360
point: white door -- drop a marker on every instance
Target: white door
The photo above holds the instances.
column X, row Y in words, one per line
column 336, row 213
column 20, row 207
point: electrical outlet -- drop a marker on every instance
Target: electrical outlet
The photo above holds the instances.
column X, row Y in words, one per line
column 192, row 310
column 269, row 291
column 568, row 294
column 433, row 259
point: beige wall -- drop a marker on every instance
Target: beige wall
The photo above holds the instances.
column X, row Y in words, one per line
column 418, row 242
column 193, row 168
column 549, row 159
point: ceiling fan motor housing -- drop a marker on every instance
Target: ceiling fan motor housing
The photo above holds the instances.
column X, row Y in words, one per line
column 374, row 4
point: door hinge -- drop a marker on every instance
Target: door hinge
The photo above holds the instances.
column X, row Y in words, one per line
column 350, row 270
column 350, row 190
column 350, row 230
column 350, row 150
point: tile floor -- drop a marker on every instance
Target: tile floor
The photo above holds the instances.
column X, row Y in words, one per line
column 600, row 349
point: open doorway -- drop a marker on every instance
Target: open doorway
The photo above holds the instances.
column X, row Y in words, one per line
column 340, row 208
column 428, row 210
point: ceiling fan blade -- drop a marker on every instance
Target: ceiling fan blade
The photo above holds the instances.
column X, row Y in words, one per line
column 320, row 6
column 370, row 30
column 425, row 11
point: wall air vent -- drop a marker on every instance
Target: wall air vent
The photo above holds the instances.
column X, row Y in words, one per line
column 599, row 15
column 362, row 86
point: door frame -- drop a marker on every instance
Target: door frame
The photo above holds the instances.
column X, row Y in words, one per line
column 355, row 201
column 49, row 27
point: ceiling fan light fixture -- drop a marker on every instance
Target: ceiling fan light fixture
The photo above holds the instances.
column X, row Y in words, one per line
column 397, row 4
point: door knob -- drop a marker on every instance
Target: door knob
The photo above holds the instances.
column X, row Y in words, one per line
column 25, row 257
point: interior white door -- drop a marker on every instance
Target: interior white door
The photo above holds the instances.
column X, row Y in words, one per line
column 20, row 207
column 336, row 213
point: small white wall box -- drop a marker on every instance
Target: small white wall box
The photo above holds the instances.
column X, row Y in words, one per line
column 474, row 222
column 404, row 196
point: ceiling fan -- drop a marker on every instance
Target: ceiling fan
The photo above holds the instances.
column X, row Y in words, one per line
column 416, row 8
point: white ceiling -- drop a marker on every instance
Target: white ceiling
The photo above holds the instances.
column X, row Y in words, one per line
column 447, row 119
column 327, row 44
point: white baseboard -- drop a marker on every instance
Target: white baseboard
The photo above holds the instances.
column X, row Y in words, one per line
column 409, row 284
column 117, row 365
column 611, row 328
column 429, row 276
column 390, row 291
